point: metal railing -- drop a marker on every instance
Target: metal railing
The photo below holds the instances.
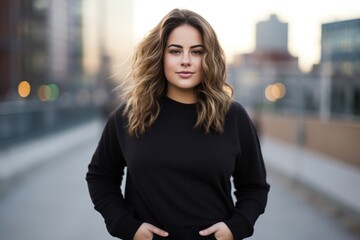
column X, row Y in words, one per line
column 24, row 120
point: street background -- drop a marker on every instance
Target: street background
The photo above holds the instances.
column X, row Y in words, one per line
column 50, row 200
column 294, row 67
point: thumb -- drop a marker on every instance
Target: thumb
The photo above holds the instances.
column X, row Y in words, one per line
column 210, row 230
column 158, row 231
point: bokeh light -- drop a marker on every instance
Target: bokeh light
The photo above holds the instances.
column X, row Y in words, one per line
column 282, row 90
column 44, row 93
column 54, row 92
column 48, row 92
column 269, row 94
column 24, row 89
column 274, row 92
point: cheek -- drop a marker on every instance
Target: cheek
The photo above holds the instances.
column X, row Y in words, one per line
column 198, row 62
column 168, row 70
column 169, row 62
column 200, row 70
column 198, row 65
column 167, row 67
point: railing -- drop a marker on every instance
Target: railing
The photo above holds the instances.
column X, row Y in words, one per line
column 24, row 120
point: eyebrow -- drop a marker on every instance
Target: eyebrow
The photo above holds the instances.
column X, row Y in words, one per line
column 179, row 46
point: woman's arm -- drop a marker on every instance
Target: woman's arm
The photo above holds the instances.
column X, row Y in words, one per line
column 104, row 178
column 249, row 177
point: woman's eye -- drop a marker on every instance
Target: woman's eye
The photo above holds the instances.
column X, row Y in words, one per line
column 174, row 51
column 197, row 52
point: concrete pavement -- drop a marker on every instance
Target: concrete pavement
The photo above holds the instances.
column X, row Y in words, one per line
column 291, row 215
column 52, row 202
column 17, row 160
column 48, row 200
column 329, row 177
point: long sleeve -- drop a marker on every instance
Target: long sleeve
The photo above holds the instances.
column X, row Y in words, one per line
column 249, row 177
column 104, row 178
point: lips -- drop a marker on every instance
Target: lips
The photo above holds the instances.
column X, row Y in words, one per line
column 185, row 74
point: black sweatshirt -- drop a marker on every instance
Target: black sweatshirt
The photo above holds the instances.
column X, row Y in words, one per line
column 178, row 177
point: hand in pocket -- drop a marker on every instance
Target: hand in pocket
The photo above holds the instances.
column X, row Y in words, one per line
column 219, row 230
column 146, row 232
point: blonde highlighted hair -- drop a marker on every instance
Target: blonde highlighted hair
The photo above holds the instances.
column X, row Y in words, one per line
column 146, row 82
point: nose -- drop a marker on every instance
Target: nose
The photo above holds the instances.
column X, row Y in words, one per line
column 185, row 60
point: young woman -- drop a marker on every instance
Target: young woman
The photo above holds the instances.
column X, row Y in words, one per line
column 183, row 142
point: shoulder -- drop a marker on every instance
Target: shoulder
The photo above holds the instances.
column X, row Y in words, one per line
column 239, row 118
column 238, row 110
column 238, row 115
column 118, row 111
column 117, row 116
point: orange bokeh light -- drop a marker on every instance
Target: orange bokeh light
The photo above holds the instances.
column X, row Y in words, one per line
column 24, row 89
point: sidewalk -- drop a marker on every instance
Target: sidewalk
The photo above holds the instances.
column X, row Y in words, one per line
column 19, row 159
column 325, row 175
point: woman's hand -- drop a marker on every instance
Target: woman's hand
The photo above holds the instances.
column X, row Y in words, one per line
column 220, row 231
column 146, row 231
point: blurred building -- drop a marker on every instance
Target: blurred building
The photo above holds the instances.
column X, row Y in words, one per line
column 316, row 110
column 9, row 46
column 108, row 44
column 340, row 67
column 272, row 35
column 40, row 43
column 271, row 63
column 41, row 59
column 43, row 86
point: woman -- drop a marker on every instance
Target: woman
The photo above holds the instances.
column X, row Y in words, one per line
column 182, row 140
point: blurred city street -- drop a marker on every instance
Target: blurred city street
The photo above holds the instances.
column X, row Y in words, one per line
column 51, row 201
column 294, row 67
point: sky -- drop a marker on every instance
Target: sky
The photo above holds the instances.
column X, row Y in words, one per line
column 234, row 21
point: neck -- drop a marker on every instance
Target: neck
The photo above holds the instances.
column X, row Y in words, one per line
column 184, row 97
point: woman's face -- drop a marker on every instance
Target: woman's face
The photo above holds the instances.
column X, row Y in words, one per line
column 183, row 62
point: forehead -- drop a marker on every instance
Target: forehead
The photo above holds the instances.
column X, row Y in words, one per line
column 185, row 35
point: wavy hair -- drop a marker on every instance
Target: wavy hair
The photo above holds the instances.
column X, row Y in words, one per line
column 146, row 82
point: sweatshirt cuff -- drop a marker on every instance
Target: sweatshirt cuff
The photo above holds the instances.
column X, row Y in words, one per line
column 124, row 228
column 239, row 226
